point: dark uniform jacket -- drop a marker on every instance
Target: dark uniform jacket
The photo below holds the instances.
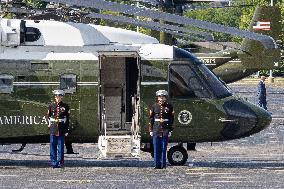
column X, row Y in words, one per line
column 58, row 115
column 161, row 119
column 261, row 90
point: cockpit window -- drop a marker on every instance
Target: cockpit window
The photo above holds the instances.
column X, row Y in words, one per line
column 193, row 79
column 218, row 88
column 184, row 82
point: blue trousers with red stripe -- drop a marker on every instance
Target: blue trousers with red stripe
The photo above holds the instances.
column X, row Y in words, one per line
column 56, row 150
column 160, row 150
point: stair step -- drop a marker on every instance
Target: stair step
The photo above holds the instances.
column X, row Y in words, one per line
column 119, row 146
column 118, row 132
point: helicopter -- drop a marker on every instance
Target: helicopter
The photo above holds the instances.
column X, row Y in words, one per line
column 253, row 57
column 217, row 59
column 235, row 62
column 110, row 76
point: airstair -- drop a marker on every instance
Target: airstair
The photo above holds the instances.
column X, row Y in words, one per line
column 119, row 88
column 122, row 143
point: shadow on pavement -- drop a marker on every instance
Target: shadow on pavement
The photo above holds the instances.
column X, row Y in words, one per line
column 140, row 163
column 77, row 163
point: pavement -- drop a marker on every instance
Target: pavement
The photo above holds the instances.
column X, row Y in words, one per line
column 253, row 80
column 253, row 162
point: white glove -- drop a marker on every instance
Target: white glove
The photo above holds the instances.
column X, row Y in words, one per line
column 151, row 133
column 66, row 134
column 170, row 134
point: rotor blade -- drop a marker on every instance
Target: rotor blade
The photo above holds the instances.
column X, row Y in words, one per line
column 149, row 2
column 17, row 10
column 176, row 30
column 267, row 41
column 147, row 24
column 196, row 8
column 133, row 21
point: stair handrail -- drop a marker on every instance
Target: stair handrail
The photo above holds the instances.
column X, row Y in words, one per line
column 104, row 115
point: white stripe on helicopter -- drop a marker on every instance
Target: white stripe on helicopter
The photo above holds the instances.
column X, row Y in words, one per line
column 79, row 83
column 155, row 83
column 52, row 83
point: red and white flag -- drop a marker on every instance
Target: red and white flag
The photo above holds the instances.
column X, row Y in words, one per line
column 261, row 25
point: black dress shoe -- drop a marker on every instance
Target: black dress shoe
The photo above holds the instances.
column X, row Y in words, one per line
column 157, row 167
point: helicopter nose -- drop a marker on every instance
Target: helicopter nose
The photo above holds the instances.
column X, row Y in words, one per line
column 243, row 120
column 264, row 119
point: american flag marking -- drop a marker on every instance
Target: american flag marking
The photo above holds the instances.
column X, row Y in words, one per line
column 261, row 25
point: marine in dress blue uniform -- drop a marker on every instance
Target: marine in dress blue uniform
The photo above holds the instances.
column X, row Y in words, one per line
column 160, row 127
column 261, row 93
column 58, row 114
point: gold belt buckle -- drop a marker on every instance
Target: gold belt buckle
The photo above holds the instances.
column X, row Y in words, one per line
column 161, row 120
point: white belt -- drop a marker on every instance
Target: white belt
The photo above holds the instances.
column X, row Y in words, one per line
column 161, row 120
column 59, row 120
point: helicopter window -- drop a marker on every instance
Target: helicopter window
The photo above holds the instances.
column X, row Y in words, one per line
column 32, row 34
column 183, row 82
column 6, row 83
column 218, row 88
column 68, row 83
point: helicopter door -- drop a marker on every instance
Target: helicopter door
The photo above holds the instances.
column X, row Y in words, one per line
column 119, row 84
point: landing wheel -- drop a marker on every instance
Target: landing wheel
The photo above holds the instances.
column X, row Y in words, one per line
column 177, row 155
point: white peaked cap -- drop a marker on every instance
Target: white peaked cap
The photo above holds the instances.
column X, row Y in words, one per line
column 58, row 92
column 161, row 93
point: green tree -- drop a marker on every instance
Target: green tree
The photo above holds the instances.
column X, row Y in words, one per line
column 224, row 16
column 239, row 17
column 35, row 3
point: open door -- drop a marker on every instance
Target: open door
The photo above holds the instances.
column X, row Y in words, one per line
column 119, row 91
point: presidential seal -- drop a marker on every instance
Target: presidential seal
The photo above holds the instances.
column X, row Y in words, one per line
column 184, row 117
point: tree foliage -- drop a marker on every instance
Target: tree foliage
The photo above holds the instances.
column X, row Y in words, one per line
column 219, row 16
column 239, row 16
column 35, row 3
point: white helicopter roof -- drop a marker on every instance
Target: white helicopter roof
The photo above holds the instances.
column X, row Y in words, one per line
column 53, row 40
column 54, row 33
column 156, row 52
column 122, row 36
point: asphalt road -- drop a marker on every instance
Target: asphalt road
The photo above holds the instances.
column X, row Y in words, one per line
column 252, row 162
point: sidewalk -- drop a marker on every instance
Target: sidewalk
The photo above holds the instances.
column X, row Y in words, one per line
column 278, row 81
